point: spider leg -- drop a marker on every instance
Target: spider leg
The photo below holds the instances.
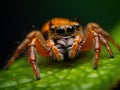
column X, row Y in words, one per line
column 97, row 50
column 107, row 36
column 54, row 50
column 74, row 46
column 32, row 59
column 106, row 45
column 33, row 46
column 92, row 39
column 21, row 48
column 93, row 36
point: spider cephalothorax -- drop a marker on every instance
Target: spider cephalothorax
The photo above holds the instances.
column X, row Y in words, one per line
column 60, row 38
column 63, row 33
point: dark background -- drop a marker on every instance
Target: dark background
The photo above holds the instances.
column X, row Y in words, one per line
column 18, row 16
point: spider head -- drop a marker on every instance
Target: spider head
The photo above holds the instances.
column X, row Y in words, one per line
column 63, row 28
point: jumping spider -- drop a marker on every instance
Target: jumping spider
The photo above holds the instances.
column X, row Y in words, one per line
column 60, row 38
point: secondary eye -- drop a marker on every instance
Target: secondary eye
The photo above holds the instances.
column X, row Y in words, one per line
column 77, row 26
column 70, row 30
column 60, row 31
column 52, row 29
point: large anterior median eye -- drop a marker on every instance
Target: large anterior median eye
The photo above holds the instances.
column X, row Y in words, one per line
column 60, row 31
column 70, row 30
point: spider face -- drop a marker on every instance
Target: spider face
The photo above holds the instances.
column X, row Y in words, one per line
column 63, row 30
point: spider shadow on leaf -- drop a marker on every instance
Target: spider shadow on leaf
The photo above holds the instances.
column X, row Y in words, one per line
column 66, row 63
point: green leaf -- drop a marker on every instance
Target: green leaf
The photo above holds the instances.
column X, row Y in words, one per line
column 69, row 75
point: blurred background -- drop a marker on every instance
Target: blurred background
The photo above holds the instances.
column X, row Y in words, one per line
column 19, row 17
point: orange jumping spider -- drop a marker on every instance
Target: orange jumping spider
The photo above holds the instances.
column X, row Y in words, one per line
column 60, row 38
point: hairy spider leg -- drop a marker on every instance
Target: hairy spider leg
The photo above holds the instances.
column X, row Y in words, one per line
column 23, row 46
column 93, row 36
column 33, row 46
column 59, row 56
column 74, row 47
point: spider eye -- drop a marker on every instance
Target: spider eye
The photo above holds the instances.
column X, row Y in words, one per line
column 60, row 31
column 52, row 29
column 76, row 26
column 70, row 30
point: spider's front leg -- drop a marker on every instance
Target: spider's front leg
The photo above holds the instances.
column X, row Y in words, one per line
column 34, row 41
column 93, row 36
column 75, row 46
column 42, row 49
column 22, row 47
column 56, row 53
